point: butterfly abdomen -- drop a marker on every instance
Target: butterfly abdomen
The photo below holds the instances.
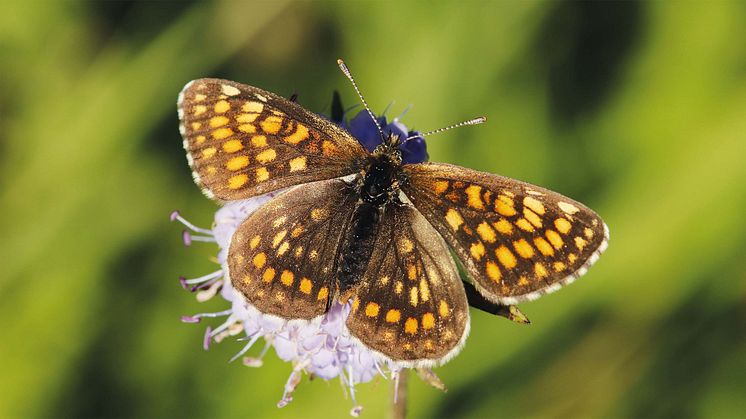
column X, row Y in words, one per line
column 358, row 245
column 376, row 188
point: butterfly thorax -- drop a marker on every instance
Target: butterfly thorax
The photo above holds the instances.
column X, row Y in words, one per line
column 378, row 180
column 377, row 187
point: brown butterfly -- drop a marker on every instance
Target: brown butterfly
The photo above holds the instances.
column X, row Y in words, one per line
column 364, row 227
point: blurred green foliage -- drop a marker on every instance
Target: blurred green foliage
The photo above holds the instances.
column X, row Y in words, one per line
column 637, row 109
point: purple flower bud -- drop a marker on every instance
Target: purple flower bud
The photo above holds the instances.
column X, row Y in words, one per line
column 365, row 131
column 414, row 150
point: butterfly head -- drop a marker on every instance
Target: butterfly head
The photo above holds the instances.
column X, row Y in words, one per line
column 410, row 145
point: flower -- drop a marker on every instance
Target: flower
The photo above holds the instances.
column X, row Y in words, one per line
column 323, row 348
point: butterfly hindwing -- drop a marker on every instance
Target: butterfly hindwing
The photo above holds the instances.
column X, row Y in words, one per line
column 283, row 257
column 517, row 241
column 410, row 304
column 242, row 141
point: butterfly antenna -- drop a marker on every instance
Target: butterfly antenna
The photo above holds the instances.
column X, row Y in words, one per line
column 347, row 73
column 475, row 121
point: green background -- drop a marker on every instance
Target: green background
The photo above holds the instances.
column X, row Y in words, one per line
column 636, row 109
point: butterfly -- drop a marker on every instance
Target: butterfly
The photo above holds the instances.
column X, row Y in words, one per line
column 366, row 229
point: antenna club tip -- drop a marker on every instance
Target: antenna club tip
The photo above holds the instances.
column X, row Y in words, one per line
column 339, row 61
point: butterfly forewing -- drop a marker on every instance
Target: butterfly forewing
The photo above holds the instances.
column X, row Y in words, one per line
column 283, row 257
column 242, row 141
column 410, row 305
column 517, row 241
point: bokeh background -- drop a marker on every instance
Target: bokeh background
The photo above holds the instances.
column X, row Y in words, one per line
column 637, row 109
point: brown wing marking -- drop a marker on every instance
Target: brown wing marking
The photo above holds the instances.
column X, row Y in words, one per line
column 410, row 305
column 283, row 257
column 517, row 241
column 242, row 141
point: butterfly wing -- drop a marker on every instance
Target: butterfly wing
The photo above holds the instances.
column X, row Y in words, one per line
column 410, row 305
column 242, row 141
column 517, row 241
column 283, row 257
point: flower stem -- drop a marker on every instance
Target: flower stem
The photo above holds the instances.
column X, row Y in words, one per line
column 399, row 396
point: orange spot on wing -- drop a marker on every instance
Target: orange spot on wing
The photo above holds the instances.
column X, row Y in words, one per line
column 413, row 296
column 410, row 326
column 271, row 125
column 297, row 164
column 477, row 250
column 534, row 205
column 454, row 219
column 505, row 206
column 259, row 141
column 486, row 232
column 440, row 186
column 283, row 248
column 503, row 226
column 305, row 286
column 222, row 133
column 232, row 146
column 218, row 121
column 237, row 163
column 259, row 260
column 371, row 310
column 255, row 107
column 278, row 238
column 523, row 248
column 412, row 272
column 393, row 316
column 493, row 272
column 568, row 208
column 544, row 247
column 428, row 320
column 443, row 309
column 300, row 134
column 222, row 106
column 262, row 174
column 524, row 225
column 268, row 275
column 424, row 290
column 540, row 270
column 266, row 156
column 563, row 225
column 474, row 198
column 328, row 148
column 506, row 257
column 532, row 217
column 237, row 181
column 554, row 238
column 199, row 110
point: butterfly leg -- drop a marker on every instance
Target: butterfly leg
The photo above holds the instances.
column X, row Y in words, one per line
column 510, row 312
